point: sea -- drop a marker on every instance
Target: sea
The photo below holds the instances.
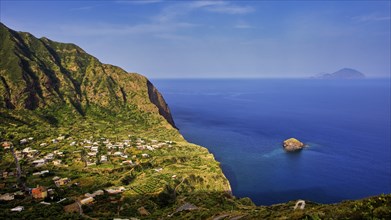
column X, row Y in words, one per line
column 345, row 125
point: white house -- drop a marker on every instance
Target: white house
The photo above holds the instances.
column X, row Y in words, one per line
column 39, row 162
column 17, row 209
column 7, row 197
column 87, row 200
column 118, row 153
column 103, row 158
column 91, row 154
column 127, row 162
column 49, row 156
column 57, row 162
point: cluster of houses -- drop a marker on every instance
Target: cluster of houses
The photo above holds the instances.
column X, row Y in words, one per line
column 117, row 150
column 89, row 197
column 96, row 151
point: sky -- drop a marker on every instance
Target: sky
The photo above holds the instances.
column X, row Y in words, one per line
column 217, row 39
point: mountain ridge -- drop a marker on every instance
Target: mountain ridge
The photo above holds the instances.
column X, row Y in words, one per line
column 39, row 72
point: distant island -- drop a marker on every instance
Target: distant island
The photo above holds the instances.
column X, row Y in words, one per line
column 345, row 73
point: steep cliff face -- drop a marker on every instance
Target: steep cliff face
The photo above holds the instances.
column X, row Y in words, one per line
column 37, row 73
column 157, row 99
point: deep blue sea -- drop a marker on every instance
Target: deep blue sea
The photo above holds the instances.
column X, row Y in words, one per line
column 346, row 125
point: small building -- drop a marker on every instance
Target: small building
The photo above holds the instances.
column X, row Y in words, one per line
column 87, row 200
column 7, row 197
column 115, row 191
column 23, row 141
column 57, row 162
column 128, row 162
column 6, row 145
column 62, row 181
column 41, row 173
column 103, row 158
column 58, row 153
column 39, row 193
column 39, row 162
column 27, row 150
column 44, row 172
column 43, row 144
column 145, row 155
column 91, row 163
column 140, row 147
column 96, row 193
column 49, row 156
column 91, row 154
column 17, row 209
column 118, row 153
column 158, row 169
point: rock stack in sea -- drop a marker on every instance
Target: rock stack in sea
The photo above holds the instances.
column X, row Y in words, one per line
column 292, row 144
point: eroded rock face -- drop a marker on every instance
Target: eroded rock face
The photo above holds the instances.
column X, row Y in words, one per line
column 292, row 144
column 158, row 100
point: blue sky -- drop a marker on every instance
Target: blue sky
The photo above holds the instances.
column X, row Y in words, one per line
column 187, row 39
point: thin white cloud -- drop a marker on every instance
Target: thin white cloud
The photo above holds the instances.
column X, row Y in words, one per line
column 86, row 8
column 371, row 17
column 243, row 25
column 231, row 9
column 200, row 4
column 174, row 11
column 167, row 24
column 223, row 7
column 139, row 2
column 110, row 29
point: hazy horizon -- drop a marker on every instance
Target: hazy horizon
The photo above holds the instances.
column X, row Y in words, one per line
column 220, row 39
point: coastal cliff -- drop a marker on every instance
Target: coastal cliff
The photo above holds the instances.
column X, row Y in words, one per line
column 113, row 129
column 39, row 73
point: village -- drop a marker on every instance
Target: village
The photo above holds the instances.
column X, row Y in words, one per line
column 40, row 163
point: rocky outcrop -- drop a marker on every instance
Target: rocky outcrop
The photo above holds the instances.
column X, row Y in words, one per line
column 39, row 73
column 292, row 144
column 157, row 99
